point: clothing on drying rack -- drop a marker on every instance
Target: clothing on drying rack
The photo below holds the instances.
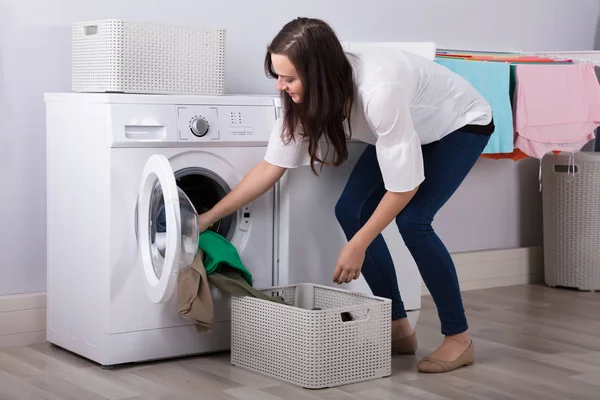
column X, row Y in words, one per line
column 556, row 107
column 515, row 155
column 547, row 92
column 492, row 81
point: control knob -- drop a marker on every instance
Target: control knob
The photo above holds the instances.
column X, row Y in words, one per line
column 199, row 126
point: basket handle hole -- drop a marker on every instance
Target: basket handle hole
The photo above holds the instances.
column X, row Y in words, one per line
column 355, row 316
column 90, row 30
column 571, row 169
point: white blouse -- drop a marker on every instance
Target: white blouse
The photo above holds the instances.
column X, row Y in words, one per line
column 402, row 101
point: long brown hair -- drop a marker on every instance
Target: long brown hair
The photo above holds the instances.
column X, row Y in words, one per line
column 313, row 48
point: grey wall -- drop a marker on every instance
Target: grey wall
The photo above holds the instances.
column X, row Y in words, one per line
column 499, row 197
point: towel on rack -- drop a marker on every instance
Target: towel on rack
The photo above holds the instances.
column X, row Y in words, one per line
column 556, row 107
column 492, row 81
column 515, row 155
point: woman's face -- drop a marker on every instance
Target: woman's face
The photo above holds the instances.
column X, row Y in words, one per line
column 288, row 80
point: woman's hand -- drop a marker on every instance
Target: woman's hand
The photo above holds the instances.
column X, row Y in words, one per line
column 352, row 256
column 349, row 263
column 256, row 183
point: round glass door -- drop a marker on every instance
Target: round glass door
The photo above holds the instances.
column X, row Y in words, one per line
column 168, row 229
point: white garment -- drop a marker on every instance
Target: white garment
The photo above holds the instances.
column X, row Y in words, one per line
column 402, row 101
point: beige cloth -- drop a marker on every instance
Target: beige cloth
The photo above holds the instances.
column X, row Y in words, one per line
column 194, row 298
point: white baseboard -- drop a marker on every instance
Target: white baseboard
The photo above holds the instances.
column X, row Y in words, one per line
column 497, row 268
column 23, row 317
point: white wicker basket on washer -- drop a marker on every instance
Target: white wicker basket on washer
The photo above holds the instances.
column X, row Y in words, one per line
column 134, row 57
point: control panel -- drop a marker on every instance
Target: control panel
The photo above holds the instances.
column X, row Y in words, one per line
column 167, row 124
column 197, row 123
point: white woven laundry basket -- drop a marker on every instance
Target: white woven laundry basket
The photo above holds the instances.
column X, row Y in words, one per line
column 571, row 207
column 310, row 348
column 134, row 57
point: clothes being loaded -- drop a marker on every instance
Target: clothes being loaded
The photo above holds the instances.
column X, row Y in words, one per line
column 219, row 265
column 225, row 268
column 194, row 299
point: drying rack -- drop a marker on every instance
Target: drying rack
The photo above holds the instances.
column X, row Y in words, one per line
column 591, row 56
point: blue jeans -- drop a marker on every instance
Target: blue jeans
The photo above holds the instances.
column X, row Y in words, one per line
column 447, row 162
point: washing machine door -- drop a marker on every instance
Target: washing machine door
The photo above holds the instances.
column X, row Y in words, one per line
column 168, row 229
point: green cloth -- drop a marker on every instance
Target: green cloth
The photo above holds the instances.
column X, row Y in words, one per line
column 220, row 253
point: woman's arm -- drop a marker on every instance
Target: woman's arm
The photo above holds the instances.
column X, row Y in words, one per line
column 388, row 209
column 352, row 256
column 256, row 183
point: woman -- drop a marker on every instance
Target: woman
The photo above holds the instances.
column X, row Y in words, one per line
column 425, row 128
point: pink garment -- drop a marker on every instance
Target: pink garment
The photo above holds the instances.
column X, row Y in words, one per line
column 556, row 107
column 539, row 149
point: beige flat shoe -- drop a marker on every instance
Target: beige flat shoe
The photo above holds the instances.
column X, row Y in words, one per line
column 406, row 346
column 430, row 365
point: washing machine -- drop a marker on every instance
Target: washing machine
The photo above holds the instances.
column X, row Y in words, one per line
column 116, row 164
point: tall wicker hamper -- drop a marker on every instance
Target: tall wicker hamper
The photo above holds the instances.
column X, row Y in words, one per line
column 571, row 212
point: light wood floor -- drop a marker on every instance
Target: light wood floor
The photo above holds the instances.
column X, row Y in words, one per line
column 532, row 343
